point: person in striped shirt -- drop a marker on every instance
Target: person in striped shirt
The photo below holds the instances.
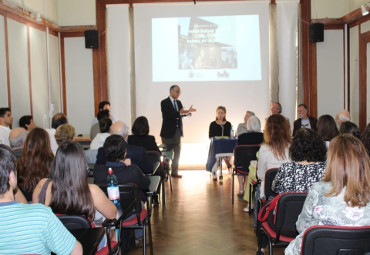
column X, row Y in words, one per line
column 28, row 228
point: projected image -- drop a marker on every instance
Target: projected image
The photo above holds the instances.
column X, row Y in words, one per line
column 200, row 47
column 207, row 48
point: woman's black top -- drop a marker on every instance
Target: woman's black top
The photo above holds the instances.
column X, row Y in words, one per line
column 216, row 129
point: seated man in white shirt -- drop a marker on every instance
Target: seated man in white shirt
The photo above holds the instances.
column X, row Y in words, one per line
column 58, row 120
column 6, row 120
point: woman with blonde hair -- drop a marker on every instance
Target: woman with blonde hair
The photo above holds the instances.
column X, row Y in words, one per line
column 343, row 197
column 64, row 133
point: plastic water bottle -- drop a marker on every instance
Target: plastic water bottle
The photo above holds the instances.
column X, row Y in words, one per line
column 112, row 188
column 231, row 132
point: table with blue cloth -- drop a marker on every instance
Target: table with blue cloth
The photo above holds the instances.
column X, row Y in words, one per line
column 220, row 147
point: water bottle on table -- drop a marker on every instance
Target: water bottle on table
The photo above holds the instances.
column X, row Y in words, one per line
column 112, row 188
column 231, row 132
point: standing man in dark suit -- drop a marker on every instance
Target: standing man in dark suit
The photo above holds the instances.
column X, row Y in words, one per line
column 304, row 120
column 171, row 131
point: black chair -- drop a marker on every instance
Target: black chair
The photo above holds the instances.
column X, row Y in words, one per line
column 280, row 229
column 325, row 240
column 79, row 222
column 154, row 157
column 137, row 217
column 243, row 154
column 269, row 178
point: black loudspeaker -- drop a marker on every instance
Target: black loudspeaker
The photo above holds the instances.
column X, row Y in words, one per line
column 91, row 39
column 317, row 32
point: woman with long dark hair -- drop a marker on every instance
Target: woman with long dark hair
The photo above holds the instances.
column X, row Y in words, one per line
column 327, row 128
column 68, row 192
column 35, row 161
column 140, row 135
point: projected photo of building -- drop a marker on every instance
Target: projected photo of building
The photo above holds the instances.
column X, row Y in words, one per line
column 199, row 48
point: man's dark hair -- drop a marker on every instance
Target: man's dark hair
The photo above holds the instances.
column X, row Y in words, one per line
column 307, row 145
column 140, row 126
column 102, row 114
column 303, row 105
column 350, row 128
column 25, row 120
column 7, row 164
column 58, row 119
column 3, row 111
column 102, row 104
column 115, row 148
column 174, row 86
column 104, row 125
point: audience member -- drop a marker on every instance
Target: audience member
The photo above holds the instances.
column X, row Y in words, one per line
column 17, row 137
column 57, row 120
column 99, row 139
column 27, row 122
column 103, row 105
column 115, row 151
column 220, row 127
column 276, row 108
column 35, row 161
column 28, row 228
column 135, row 153
column 326, row 128
column 140, row 135
column 342, row 198
column 341, row 117
column 308, row 154
column 253, row 136
column 64, row 133
column 242, row 127
column 6, row 120
column 95, row 129
column 304, row 120
column 366, row 138
column 348, row 127
column 81, row 198
column 275, row 149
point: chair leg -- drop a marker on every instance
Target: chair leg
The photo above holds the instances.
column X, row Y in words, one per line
column 150, row 237
column 144, row 239
column 232, row 189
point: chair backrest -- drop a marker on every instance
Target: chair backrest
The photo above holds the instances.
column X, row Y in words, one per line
column 324, row 240
column 154, row 157
column 130, row 198
column 288, row 209
column 269, row 178
column 243, row 154
column 75, row 221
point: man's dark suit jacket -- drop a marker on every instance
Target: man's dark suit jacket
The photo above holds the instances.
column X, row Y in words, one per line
column 170, row 118
column 135, row 153
column 297, row 124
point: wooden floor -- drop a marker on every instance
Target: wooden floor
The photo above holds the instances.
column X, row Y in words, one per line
column 200, row 219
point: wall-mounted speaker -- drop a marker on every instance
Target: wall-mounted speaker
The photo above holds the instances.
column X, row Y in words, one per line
column 317, row 32
column 91, row 39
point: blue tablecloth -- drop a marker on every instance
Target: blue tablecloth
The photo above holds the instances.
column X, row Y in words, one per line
column 219, row 147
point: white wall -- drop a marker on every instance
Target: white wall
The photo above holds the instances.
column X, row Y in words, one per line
column 39, row 76
column 329, row 8
column 3, row 77
column 330, row 76
column 76, row 12
column 18, row 68
column 354, row 75
column 118, row 56
column 79, row 84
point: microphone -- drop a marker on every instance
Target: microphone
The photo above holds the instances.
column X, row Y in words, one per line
column 222, row 126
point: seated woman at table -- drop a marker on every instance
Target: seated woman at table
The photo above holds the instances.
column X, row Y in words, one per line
column 140, row 135
column 220, row 127
column 242, row 127
column 80, row 198
column 308, row 154
column 343, row 197
column 251, row 137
